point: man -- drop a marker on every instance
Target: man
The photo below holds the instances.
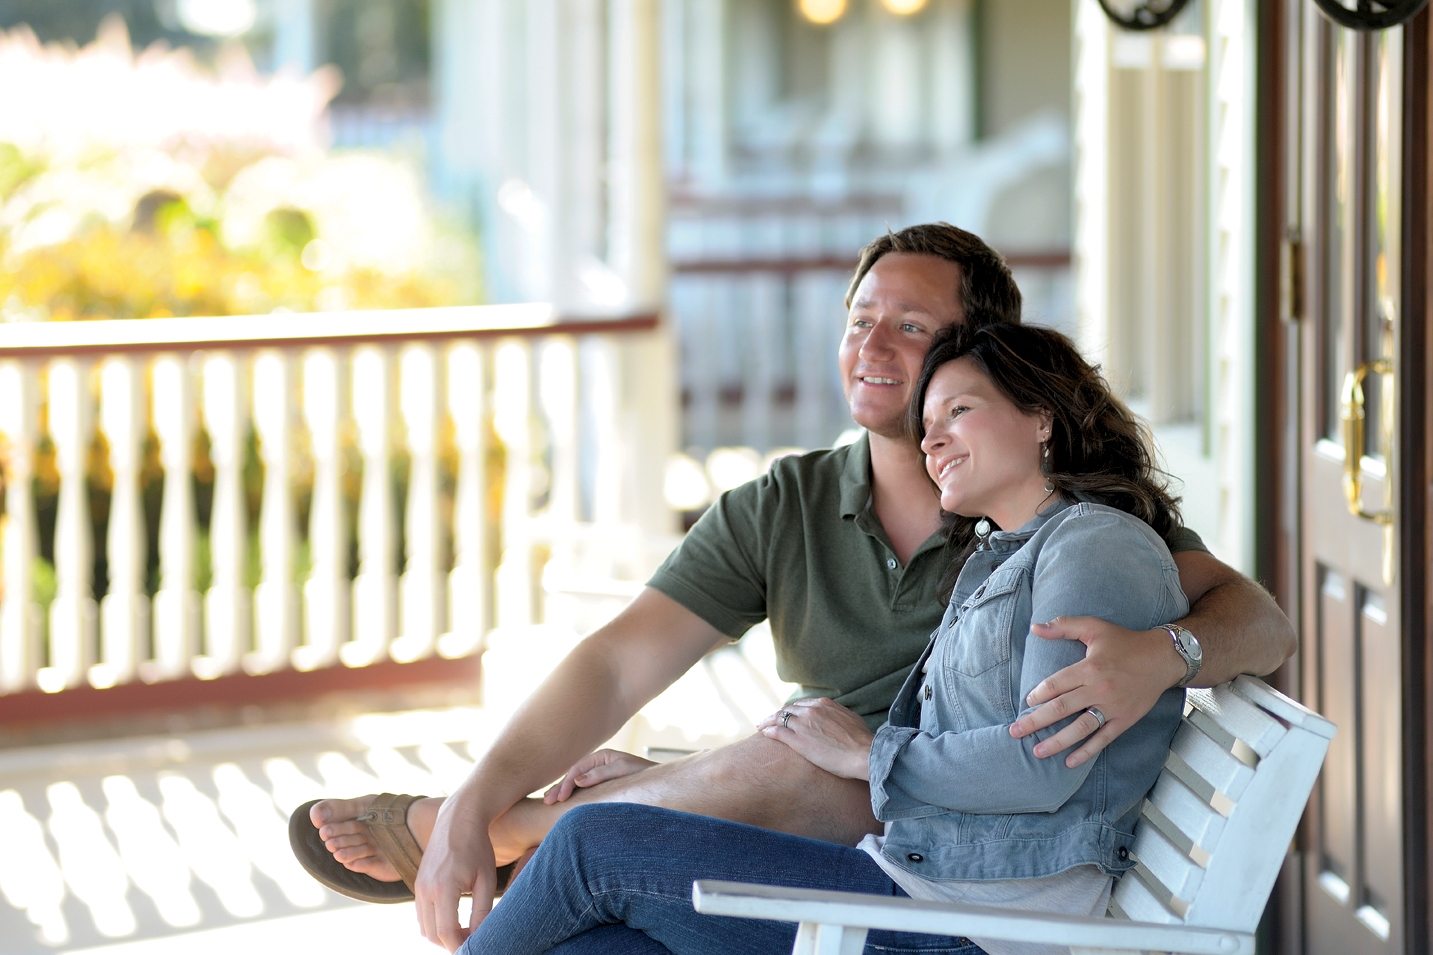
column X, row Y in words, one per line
column 840, row 550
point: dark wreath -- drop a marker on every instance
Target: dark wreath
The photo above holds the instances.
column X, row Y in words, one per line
column 1151, row 14
column 1370, row 14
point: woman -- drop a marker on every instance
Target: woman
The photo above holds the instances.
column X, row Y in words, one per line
column 1053, row 495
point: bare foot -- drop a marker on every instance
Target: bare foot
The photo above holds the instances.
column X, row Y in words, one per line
column 337, row 823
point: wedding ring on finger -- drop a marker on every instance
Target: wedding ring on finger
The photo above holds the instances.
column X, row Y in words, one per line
column 1099, row 717
column 786, row 719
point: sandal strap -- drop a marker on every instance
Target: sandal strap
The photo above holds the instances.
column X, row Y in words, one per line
column 387, row 823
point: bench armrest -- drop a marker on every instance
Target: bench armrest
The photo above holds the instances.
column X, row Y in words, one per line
column 940, row 918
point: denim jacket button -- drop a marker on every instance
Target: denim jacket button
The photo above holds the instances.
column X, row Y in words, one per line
column 1124, row 854
column 915, row 857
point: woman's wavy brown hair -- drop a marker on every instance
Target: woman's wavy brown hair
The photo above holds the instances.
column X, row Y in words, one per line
column 1098, row 448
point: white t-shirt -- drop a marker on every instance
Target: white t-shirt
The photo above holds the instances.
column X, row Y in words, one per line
column 1083, row 890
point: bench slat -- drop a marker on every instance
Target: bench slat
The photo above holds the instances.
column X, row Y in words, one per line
column 1261, row 694
column 1214, row 766
column 1175, row 870
column 1237, row 717
column 1133, row 900
column 1173, row 805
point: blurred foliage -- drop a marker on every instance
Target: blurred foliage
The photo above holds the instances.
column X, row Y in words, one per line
column 180, row 267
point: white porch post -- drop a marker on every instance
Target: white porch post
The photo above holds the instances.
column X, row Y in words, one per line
column 646, row 369
column 1092, row 136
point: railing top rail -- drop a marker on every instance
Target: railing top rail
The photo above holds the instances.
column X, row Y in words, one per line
column 33, row 339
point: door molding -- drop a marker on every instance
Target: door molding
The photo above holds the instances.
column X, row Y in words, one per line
column 1416, row 473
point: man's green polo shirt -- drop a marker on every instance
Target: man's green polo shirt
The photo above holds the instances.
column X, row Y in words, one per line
column 802, row 547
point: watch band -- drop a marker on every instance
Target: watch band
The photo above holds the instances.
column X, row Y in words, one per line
column 1191, row 662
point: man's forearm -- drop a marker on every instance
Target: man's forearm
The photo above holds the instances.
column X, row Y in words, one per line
column 598, row 687
column 1241, row 630
column 573, row 711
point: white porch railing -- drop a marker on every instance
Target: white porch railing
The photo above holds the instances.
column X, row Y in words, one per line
column 323, row 396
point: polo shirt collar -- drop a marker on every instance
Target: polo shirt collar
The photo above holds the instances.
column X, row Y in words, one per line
column 856, row 478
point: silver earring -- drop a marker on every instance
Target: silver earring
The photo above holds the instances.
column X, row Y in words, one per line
column 982, row 528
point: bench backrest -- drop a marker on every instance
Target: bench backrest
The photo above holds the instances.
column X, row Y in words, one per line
column 1215, row 829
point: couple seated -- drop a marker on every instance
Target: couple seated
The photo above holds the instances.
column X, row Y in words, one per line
column 1048, row 507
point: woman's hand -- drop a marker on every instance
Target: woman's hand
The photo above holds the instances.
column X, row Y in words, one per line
column 826, row 733
column 592, row 769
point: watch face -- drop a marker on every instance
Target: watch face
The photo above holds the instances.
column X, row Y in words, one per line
column 1191, row 645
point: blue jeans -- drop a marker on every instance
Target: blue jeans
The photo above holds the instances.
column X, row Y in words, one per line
column 616, row 879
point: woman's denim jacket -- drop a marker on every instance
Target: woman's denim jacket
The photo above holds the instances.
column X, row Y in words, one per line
column 963, row 799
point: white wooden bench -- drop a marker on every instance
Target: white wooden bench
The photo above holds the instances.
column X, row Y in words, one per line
column 1210, row 841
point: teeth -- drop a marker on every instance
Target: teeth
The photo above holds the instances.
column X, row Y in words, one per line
column 948, row 465
column 880, row 381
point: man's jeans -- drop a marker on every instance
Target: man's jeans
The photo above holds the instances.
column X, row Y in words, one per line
column 616, row 879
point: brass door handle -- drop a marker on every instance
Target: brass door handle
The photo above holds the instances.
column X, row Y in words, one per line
column 1353, row 438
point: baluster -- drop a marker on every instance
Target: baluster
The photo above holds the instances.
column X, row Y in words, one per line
column 765, row 317
column 421, row 598
column 326, row 592
column 375, row 590
column 511, row 408
column 228, row 606
column 20, row 616
column 814, row 312
column 176, row 604
column 276, row 603
column 599, row 377
column 467, row 585
column 124, row 610
column 72, row 615
column 557, row 395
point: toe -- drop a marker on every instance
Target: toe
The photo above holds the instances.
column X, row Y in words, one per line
column 338, row 810
column 353, row 854
column 336, row 830
column 345, row 842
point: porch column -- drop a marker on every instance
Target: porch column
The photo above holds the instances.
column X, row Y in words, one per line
column 564, row 150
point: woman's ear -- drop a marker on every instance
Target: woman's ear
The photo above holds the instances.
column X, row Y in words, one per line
column 1046, row 427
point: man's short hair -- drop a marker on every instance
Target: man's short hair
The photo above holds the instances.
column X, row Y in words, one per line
column 987, row 289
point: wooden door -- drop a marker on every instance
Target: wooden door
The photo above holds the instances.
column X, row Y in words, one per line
column 1351, row 178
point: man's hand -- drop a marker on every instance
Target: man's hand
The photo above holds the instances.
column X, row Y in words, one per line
column 1123, row 674
column 458, row 860
column 598, row 767
column 828, row 734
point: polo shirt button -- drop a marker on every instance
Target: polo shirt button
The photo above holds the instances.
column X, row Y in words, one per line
column 1124, row 854
column 915, row 857
column 891, row 563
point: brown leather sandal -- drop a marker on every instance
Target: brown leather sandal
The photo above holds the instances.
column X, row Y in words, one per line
column 387, row 823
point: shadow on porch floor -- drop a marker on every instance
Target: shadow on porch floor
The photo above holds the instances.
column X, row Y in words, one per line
column 159, row 844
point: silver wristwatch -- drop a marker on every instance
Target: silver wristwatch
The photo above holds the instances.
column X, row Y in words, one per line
column 1189, row 650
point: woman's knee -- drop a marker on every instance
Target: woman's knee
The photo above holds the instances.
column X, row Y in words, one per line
column 595, row 829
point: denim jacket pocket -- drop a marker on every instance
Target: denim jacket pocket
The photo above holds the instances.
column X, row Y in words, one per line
column 983, row 637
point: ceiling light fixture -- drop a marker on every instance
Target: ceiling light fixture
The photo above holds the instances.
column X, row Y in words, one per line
column 822, row 11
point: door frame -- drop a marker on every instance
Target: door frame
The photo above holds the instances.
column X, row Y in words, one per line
column 1281, row 327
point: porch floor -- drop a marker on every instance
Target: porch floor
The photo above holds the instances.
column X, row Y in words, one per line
column 160, row 844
